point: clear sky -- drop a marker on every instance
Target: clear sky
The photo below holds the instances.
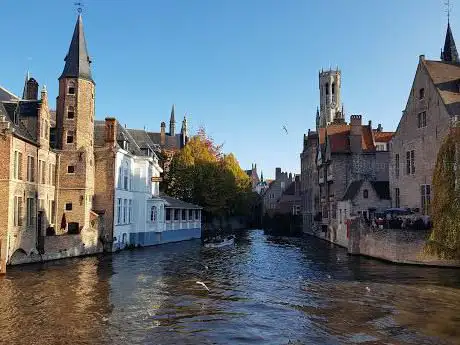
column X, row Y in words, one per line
column 242, row 68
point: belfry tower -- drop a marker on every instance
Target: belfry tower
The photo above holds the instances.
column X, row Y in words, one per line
column 75, row 132
column 330, row 102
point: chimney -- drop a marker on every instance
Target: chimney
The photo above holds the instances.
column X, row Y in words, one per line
column 163, row 134
column 379, row 128
column 355, row 133
column 370, row 124
column 421, row 58
column 32, row 90
column 110, row 131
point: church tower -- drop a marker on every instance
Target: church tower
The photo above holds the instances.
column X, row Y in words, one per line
column 75, row 131
column 330, row 102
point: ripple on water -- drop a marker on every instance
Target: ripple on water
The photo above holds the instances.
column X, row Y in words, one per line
column 265, row 289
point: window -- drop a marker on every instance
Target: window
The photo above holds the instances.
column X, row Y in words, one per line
column 125, row 178
column 17, row 173
column 119, row 211
column 333, row 88
column 68, row 206
column 190, row 214
column 70, row 137
column 340, row 216
column 71, row 88
column 153, row 213
column 197, row 215
column 412, row 161
column 168, row 214
column 17, row 211
column 397, row 198
column 120, row 177
column 327, row 89
column 125, row 211
column 425, row 193
column 52, row 211
column 30, row 169
column 421, row 93
column 52, row 174
column 397, row 165
column 176, row 214
column 30, row 211
column 71, row 169
column 184, row 214
column 380, row 147
column 130, row 215
column 70, row 112
column 421, row 119
column 41, row 171
column 365, row 194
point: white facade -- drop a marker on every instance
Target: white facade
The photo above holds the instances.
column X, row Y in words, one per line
column 133, row 188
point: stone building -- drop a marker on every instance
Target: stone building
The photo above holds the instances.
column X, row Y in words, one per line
column 170, row 142
column 336, row 155
column 275, row 190
column 433, row 103
column 253, row 176
column 47, row 178
column 290, row 200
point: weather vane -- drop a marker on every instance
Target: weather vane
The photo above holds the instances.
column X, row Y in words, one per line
column 448, row 9
column 79, row 6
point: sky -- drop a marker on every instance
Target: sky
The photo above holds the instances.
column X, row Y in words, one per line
column 242, row 69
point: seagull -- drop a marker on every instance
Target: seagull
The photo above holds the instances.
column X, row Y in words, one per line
column 368, row 289
column 204, row 285
column 285, row 129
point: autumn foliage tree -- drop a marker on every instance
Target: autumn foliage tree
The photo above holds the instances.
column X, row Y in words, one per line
column 201, row 174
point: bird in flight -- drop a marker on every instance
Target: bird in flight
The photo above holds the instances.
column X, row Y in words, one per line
column 285, row 129
column 203, row 284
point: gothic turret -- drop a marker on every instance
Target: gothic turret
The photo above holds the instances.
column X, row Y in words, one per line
column 330, row 87
column 77, row 61
column 172, row 123
column 449, row 54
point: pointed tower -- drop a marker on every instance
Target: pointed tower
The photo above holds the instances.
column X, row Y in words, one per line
column 183, row 132
column 75, row 131
column 449, row 54
column 261, row 176
column 172, row 123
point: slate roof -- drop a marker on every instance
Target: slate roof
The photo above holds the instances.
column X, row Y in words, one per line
column 446, row 78
column 176, row 203
column 6, row 95
column 171, row 142
column 77, row 61
column 382, row 188
column 22, row 109
column 143, row 139
column 122, row 135
column 449, row 53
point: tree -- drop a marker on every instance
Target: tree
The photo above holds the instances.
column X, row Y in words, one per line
column 444, row 240
column 201, row 174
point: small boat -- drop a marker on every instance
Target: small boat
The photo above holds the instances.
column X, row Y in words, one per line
column 218, row 243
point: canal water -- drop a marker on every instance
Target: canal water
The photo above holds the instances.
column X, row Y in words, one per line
column 263, row 290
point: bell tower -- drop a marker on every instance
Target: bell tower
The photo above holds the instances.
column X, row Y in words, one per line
column 330, row 101
column 75, row 131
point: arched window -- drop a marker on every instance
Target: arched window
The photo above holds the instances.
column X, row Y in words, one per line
column 333, row 88
column 153, row 214
column 327, row 88
column 365, row 194
column 70, row 112
column 71, row 88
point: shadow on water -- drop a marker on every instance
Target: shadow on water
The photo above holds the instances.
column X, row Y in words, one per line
column 265, row 289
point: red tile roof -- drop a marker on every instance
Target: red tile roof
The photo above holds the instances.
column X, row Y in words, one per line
column 339, row 138
column 383, row 137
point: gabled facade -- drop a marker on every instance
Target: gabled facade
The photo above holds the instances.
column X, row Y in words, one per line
column 432, row 106
column 254, row 177
column 275, row 190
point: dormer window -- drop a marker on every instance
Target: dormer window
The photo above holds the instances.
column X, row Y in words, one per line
column 70, row 112
column 421, row 93
column 125, row 145
column 71, row 88
column 365, row 194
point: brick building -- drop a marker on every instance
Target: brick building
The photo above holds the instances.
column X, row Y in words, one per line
column 432, row 105
column 47, row 173
column 275, row 190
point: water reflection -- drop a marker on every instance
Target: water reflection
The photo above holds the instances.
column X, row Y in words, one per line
column 263, row 290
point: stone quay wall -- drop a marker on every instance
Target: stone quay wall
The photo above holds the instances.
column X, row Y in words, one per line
column 394, row 245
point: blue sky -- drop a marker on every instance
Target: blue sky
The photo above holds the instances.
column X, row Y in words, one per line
column 242, row 68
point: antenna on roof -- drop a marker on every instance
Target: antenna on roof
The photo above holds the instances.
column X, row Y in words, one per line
column 448, row 9
column 79, row 6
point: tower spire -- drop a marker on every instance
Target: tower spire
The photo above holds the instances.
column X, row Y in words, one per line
column 449, row 54
column 172, row 122
column 77, row 60
column 24, row 90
